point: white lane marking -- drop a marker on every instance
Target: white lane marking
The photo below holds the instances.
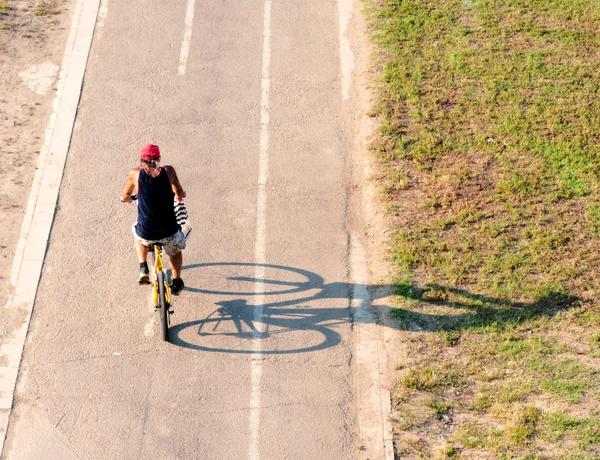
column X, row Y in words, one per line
column 260, row 255
column 347, row 58
column 39, row 215
column 187, row 37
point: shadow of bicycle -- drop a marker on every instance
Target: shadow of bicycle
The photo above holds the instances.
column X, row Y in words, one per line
column 291, row 310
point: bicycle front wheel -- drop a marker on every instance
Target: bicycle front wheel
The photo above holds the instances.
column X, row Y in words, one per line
column 163, row 307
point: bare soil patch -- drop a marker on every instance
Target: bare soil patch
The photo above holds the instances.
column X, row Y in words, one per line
column 33, row 35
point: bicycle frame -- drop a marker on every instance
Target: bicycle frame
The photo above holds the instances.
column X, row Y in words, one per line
column 159, row 270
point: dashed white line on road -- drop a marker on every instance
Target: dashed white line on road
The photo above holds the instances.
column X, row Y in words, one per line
column 187, row 37
column 261, row 234
column 347, row 58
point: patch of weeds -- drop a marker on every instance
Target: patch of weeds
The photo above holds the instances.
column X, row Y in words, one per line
column 406, row 290
column 450, row 338
column 559, row 424
column 515, row 346
column 572, row 392
column 481, row 403
column 585, row 432
column 435, row 293
column 438, row 407
column 567, row 378
column 46, row 8
column 594, row 341
column 408, row 418
column 414, row 447
column 8, row 26
column 393, row 209
column 520, row 422
column 4, row 8
column 593, row 216
column 406, row 318
column 401, row 395
column 449, row 452
column 491, row 372
column 589, row 436
column 395, row 181
column 555, row 298
column 585, row 317
column 511, row 391
column 429, row 378
column 471, row 437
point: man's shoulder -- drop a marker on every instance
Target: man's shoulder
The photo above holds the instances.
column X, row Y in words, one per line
column 134, row 173
column 170, row 171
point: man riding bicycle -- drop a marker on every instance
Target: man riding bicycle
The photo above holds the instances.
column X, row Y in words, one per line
column 156, row 186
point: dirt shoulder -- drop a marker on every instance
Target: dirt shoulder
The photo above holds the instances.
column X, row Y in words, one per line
column 32, row 43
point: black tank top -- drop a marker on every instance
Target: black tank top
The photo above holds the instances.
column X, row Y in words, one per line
column 156, row 214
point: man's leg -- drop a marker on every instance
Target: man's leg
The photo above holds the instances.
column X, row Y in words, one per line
column 175, row 244
column 142, row 251
column 176, row 263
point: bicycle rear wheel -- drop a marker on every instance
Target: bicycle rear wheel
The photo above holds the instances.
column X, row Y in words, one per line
column 163, row 307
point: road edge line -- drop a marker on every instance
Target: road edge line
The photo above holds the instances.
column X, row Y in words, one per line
column 41, row 205
column 374, row 403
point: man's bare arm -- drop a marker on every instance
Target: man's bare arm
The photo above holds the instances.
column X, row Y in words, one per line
column 175, row 184
column 130, row 185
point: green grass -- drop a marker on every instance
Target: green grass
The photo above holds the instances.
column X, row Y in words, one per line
column 439, row 407
column 497, row 117
column 571, row 391
column 489, row 113
column 430, row 378
column 583, row 432
column 594, row 340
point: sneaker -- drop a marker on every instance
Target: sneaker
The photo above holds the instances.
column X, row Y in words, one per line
column 177, row 286
column 144, row 277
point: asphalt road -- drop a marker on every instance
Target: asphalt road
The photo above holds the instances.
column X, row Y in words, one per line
column 96, row 381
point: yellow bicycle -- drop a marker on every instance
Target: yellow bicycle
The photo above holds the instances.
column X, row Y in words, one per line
column 161, row 287
column 162, row 290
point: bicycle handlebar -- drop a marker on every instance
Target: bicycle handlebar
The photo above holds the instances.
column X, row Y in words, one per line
column 135, row 197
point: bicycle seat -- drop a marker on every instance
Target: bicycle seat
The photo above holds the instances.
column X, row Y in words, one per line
column 151, row 247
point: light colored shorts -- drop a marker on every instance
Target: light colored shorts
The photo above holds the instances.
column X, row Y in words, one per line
column 172, row 244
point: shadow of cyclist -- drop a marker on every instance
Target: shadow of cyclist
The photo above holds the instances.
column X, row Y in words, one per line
column 299, row 306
